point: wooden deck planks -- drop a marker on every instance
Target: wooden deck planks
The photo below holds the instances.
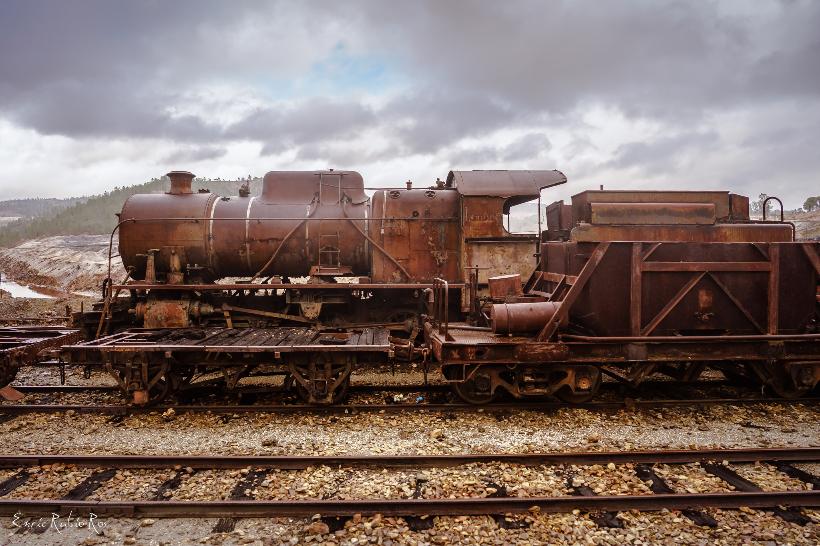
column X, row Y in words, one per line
column 228, row 338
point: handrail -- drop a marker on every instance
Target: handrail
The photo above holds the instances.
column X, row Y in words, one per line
column 441, row 307
column 764, row 206
column 766, row 202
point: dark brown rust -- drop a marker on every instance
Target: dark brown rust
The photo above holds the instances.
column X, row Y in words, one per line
column 652, row 213
column 405, row 507
column 522, row 318
column 21, row 345
column 293, row 462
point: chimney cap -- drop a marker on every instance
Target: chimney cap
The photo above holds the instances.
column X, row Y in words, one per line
column 180, row 182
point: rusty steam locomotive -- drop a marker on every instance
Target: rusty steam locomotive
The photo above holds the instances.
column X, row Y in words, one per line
column 313, row 278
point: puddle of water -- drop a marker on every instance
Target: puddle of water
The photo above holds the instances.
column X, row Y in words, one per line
column 20, row 291
column 87, row 293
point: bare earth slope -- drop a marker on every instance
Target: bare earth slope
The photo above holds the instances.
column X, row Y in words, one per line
column 67, row 263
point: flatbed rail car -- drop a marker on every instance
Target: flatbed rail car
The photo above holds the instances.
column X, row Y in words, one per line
column 635, row 283
column 152, row 364
column 21, row 345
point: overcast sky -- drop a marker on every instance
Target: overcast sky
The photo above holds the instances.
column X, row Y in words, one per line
column 695, row 95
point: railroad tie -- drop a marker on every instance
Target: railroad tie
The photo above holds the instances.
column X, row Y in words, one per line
column 501, row 519
column 418, row 523
column 797, row 473
column 601, row 519
column 79, row 492
column 791, row 514
column 12, row 483
column 243, row 490
column 171, row 484
column 90, row 484
column 659, row 486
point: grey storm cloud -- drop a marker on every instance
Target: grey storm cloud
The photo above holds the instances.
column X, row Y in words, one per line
column 525, row 148
column 471, row 64
column 315, row 120
column 120, row 69
column 196, row 153
column 655, row 156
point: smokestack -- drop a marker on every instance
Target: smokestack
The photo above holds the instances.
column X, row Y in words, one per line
column 180, row 182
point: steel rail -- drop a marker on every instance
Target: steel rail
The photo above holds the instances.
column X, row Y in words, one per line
column 117, row 409
column 247, row 389
column 297, row 462
column 407, row 507
column 279, row 286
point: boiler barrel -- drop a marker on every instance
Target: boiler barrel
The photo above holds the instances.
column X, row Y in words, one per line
column 301, row 220
column 522, row 318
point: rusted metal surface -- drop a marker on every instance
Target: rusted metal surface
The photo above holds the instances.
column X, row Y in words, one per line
column 180, row 182
column 21, row 345
column 582, row 210
column 414, row 229
column 505, row 286
column 652, row 213
column 230, row 236
column 298, row 462
column 685, row 288
column 150, row 365
column 346, row 409
column 509, row 256
column 559, row 220
column 405, row 507
column 279, row 286
column 521, row 318
column 502, row 183
column 247, row 340
column 727, row 233
column 153, row 232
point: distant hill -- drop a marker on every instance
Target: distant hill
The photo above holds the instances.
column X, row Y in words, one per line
column 89, row 215
column 26, row 219
column 28, row 208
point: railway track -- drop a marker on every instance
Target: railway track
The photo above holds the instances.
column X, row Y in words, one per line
column 721, row 464
column 119, row 409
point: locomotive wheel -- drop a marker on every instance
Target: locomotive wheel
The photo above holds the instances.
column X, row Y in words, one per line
column 787, row 380
column 740, row 375
column 785, row 386
column 164, row 384
column 152, row 389
column 320, row 379
column 591, row 377
column 477, row 389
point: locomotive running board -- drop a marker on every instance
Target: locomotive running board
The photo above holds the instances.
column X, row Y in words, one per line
column 246, row 340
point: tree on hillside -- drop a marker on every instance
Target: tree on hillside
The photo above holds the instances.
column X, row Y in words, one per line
column 812, row 203
column 757, row 206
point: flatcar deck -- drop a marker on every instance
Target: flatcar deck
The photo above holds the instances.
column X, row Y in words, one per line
column 241, row 340
column 22, row 345
column 17, row 337
column 463, row 334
